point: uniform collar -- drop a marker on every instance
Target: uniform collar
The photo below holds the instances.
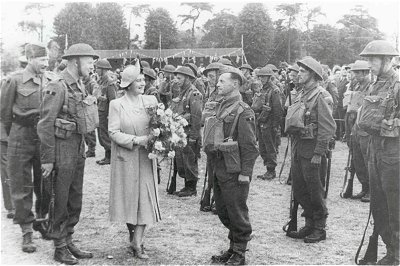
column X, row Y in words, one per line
column 69, row 79
column 387, row 75
column 312, row 87
column 229, row 101
column 28, row 74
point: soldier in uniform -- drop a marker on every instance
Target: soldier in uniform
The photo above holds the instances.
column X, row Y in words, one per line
column 330, row 87
column 67, row 113
column 309, row 148
column 232, row 180
column 250, row 85
column 107, row 92
column 188, row 104
column 197, row 82
column 384, row 149
column 150, row 78
column 268, row 108
column 166, row 86
column 340, row 110
column 358, row 140
column 90, row 138
column 21, row 95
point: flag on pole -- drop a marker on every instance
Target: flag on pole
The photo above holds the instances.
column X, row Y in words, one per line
column 66, row 43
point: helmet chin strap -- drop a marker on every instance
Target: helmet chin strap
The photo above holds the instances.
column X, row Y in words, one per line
column 79, row 66
column 381, row 68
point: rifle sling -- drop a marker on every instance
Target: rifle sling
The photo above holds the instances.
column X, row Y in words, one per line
column 362, row 240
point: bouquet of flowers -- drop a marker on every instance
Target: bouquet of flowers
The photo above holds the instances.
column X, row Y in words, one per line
column 166, row 132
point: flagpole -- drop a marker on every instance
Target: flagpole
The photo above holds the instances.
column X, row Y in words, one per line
column 160, row 50
column 242, row 51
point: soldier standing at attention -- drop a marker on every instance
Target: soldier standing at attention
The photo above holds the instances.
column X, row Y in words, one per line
column 67, row 113
column 188, row 104
column 309, row 148
column 150, row 78
column 90, row 138
column 197, row 82
column 384, row 148
column 232, row 177
column 107, row 92
column 358, row 139
column 268, row 108
column 166, row 86
column 21, row 94
column 250, row 85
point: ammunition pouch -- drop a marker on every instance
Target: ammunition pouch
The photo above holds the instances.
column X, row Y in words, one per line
column 64, row 128
column 294, row 121
column 102, row 103
column 231, row 154
column 371, row 114
column 264, row 115
column 213, row 134
column 210, row 109
column 309, row 131
column 390, row 128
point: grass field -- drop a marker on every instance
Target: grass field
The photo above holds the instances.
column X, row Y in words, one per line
column 187, row 236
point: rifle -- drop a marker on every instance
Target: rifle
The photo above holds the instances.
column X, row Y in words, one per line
column 205, row 194
column 347, row 188
column 284, row 159
column 371, row 254
column 331, row 146
column 172, row 186
column 294, row 206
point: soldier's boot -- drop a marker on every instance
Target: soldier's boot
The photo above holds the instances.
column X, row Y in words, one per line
column 63, row 255
column 359, row 195
column 10, row 214
column 366, row 198
column 222, row 258
column 271, row 174
column 190, row 191
column 79, row 254
column 176, row 193
column 27, row 244
column 316, row 236
column 236, row 259
column 106, row 159
column 90, row 153
column 205, row 204
column 304, row 231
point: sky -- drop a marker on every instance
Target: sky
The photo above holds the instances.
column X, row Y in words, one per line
column 385, row 11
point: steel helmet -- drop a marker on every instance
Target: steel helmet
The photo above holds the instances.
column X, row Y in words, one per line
column 80, row 50
column 246, row 66
column 312, row 64
column 130, row 74
column 185, row 71
column 231, row 69
column 294, row 67
column 145, row 64
column 379, row 48
column 103, row 63
column 272, row 67
column 169, row 68
column 265, row 71
column 213, row 66
column 193, row 67
column 225, row 62
column 360, row 65
column 149, row 72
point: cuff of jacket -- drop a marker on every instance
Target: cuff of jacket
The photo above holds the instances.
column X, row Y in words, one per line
column 321, row 147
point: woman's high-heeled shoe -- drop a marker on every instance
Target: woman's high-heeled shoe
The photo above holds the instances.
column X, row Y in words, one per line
column 139, row 252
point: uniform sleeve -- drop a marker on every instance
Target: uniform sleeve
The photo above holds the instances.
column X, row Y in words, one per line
column 276, row 108
column 326, row 124
column 247, row 141
column 111, row 92
column 8, row 92
column 53, row 100
column 196, row 109
column 114, row 127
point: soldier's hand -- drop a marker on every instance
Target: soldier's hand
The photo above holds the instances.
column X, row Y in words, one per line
column 243, row 179
column 316, row 160
column 46, row 169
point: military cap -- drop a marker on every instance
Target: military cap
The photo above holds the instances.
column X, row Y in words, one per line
column 294, row 67
column 144, row 64
column 272, row 67
column 130, row 74
column 213, row 66
column 185, row 71
column 225, row 62
column 22, row 59
column 193, row 67
column 360, row 65
column 33, row 50
column 231, row 69
column 312, row 64
column 103, row 63
column 246, row 66
column 265, row 71
column 80, row 50
column 379, row 48
column 169, row 68
column 150, row 73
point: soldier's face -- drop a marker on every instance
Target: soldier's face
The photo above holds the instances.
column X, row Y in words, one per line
column 212, row 78
column 138, row 85
column 264, row 79
column 359, row 75
column 293, row 76
column 375, row 64
column 304, row 75
column 225, row 84
column 181, row 79
column 86, row 65
column 39, row 64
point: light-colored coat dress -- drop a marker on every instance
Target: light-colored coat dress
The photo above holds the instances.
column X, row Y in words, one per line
column 133, row 187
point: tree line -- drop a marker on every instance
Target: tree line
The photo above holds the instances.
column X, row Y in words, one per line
column 295, row 34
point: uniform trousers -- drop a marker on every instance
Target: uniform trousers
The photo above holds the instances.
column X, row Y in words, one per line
column 267, row 142
column 104, row 137
column 5, row 179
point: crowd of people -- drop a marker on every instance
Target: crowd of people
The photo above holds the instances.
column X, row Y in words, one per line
column 234, row 114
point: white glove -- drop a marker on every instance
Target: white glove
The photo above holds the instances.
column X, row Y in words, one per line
column 142, row 140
